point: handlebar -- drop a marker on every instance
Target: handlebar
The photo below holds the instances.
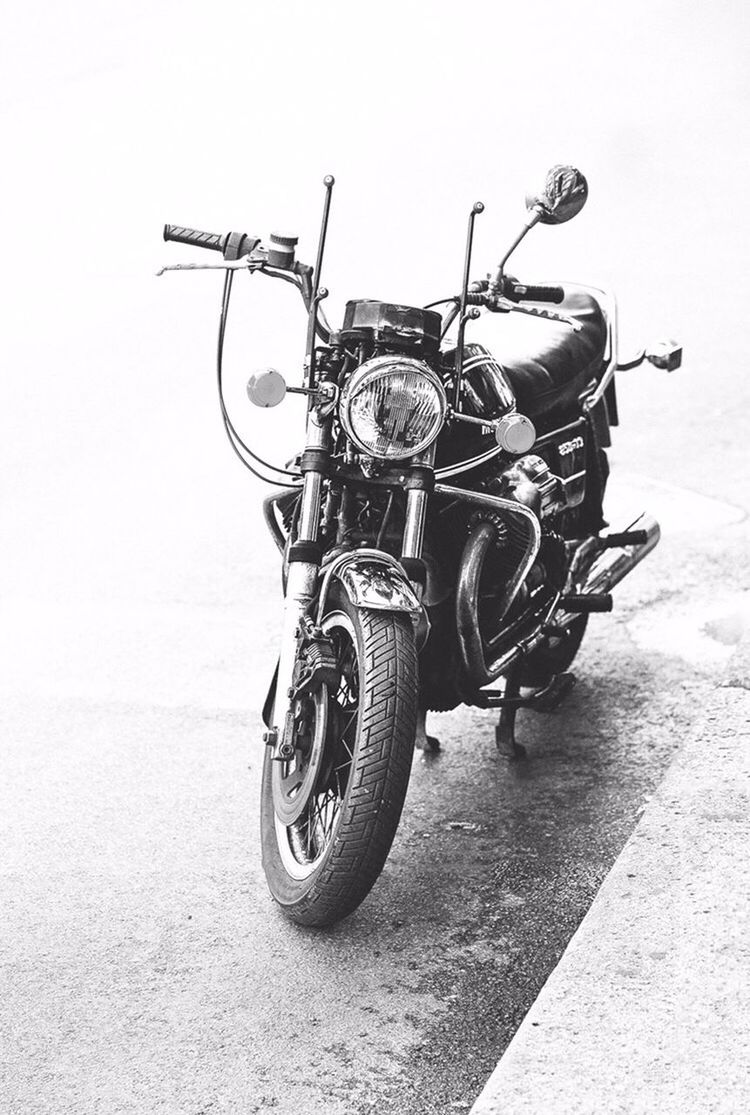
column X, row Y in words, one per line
column 482, row 294
column 233, row 245
column 195, row 238
column 507, row 296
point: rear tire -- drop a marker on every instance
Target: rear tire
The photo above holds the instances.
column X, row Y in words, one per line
column 322, row 865
column 539, row 667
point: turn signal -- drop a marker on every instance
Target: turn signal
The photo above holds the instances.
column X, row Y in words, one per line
column 515, row 433
column 266, row 388
column 665, row 354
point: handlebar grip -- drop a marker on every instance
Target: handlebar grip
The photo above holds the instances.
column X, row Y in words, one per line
column 519, row 292
column 195, row 238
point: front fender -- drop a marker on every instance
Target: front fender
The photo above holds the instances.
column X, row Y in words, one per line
column 370, row 579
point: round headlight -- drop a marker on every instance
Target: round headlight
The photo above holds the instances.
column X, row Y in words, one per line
column 393, row 407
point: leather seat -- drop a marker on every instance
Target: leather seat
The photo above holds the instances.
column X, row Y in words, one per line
column 547, row 363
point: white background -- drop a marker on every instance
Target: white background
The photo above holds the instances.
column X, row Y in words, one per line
column 118, row 117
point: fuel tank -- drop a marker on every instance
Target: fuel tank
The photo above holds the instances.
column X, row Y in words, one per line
column 485, row 393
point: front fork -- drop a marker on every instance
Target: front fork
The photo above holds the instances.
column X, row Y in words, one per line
column 415, row 522
column 302, row 578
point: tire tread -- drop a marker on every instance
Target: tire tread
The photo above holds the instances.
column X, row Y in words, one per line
column 379, row 777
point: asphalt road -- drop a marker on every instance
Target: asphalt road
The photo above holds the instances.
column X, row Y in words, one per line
column 145, row 967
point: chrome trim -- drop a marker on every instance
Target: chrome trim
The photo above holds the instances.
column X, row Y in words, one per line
column 524, row 645
column 598, row 570
column 416, row 506
column 309, row 518
column 376, row 368
column 335, row 567
column 464, row 466
column 373, row 584
column 302, row 579
column 574, row 425
column 610, row 313
column 467, row 589
column 606, row 568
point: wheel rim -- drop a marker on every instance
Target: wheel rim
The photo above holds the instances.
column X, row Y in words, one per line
column 306, row 829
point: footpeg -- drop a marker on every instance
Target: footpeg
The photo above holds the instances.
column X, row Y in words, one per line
column 586, row 602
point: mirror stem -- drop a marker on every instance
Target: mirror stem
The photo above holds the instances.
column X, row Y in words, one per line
column 533, row 218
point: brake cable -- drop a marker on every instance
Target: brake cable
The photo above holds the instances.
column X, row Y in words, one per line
column 236, row 442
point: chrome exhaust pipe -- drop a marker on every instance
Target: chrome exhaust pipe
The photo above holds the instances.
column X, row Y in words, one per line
column 611, row 566
column 606, row 570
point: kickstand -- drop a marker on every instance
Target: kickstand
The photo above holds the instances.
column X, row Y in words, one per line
column 505, row 732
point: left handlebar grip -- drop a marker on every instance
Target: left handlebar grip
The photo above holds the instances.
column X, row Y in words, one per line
column 195, row 238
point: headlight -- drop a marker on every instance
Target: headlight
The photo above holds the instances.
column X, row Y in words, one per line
column 393, row 407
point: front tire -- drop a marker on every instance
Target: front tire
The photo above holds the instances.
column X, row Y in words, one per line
column 322, row 852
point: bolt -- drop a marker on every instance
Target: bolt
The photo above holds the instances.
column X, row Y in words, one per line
column 270, row 738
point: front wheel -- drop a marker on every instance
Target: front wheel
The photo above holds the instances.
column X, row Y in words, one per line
column 329, row 815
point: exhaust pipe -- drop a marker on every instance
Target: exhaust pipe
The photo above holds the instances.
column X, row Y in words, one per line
column 606, row 571
column 609, row 568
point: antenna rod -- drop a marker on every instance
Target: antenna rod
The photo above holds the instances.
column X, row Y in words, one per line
column 477, row 207
column 318, row 292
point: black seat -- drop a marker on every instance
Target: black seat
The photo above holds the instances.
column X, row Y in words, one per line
column 547, row 363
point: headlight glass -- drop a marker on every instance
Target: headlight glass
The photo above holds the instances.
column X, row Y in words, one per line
column 393, row 407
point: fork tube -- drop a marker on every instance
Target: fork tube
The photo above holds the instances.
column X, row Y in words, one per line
column 416, row 507
column 303, row 573
column 416, row 510
column 309, row 518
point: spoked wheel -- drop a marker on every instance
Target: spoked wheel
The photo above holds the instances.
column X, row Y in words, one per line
column 329, row 815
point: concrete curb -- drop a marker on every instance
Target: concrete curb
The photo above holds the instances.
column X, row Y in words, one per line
column 649, row 1007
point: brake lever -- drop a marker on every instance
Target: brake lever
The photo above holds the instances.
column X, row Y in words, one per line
column 246, row 262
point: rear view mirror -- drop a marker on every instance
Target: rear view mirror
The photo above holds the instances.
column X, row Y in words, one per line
column 563, row 196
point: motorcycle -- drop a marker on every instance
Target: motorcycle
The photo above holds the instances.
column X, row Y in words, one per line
column 441, row 536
